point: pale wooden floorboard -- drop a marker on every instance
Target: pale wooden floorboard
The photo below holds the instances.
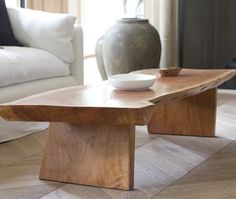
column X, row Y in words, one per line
column 161, row 161
column 226, row 119
column 21, row 148
column 225, row 130
column 77, row 192
column 141, row 136
column 202, row 147
column 215, row 178
column 227, row 113
column 225, row 96
column 135, row 194
column 20, row 180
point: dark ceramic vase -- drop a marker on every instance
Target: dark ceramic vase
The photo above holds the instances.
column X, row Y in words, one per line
column 131, row 44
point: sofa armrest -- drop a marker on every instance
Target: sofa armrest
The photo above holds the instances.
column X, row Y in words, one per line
column 77, row 67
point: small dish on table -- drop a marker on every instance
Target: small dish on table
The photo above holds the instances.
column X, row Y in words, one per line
column 132, row 81
column 171, row 71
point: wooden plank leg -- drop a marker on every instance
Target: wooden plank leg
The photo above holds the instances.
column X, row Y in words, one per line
column 195, row 116
column 90, row 154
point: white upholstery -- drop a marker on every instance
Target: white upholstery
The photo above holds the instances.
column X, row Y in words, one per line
column 37, row 69
column 23, row 64
column 48, row 31
column 78, row 72
column 17, row 91
column 74, row 75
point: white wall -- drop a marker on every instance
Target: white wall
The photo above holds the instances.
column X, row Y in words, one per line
column 96, row 16
column 12, row 3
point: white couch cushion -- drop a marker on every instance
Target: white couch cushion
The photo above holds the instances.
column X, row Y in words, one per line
column 49, row 31
column 22, row 64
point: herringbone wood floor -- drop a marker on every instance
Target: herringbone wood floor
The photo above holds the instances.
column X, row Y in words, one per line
column 166, row 167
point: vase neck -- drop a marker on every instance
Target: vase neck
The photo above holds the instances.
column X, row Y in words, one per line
column 133, row 20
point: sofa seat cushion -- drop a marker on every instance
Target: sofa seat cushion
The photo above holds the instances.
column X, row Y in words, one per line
column 22, row 64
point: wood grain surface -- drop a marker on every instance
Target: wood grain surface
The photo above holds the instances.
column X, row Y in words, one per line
column 194, row 116
column 97, row 155
column 214, row 178
column 161, row 160
column 96, row 150
column 101, row 103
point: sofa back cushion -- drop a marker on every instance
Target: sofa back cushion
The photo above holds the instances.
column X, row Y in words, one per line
column 48, row 31
column 6, row 34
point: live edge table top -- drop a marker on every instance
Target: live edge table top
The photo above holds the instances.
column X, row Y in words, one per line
column 91, row 136
column 100, row 103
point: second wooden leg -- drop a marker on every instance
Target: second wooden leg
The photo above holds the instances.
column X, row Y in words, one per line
column 95, row 154
column 194, row 116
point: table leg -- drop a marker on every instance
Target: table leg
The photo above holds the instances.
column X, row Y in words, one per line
column 90, row 154
column 195, row 116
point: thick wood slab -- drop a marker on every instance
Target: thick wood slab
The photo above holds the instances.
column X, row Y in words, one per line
column 100, row 103
column 98, row 149
column 97, row 155
column 194, row 116
column 82, row 115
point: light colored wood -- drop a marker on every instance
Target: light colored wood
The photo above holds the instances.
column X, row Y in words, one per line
column 79, row 104
column 200, row 147
column 215, row 178
column 18, row 181
column 140, row 132
column 171, row 71
column 97, row 155
column 59, row 6
column 139, row 194
column 96, row 111
column 77, row 114
column 226, row 97
column 77, row 192
column 194, row 116
column 226, row 123
column 16, row 150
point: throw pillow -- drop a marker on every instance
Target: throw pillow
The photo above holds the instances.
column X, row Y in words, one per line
column 47, row 31
column 6, row 34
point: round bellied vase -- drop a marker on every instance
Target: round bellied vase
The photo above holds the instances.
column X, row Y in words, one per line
column 129, row 45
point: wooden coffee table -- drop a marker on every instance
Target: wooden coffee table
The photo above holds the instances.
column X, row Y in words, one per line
column 91, row 137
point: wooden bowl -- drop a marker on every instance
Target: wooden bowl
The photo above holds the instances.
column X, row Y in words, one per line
column 167, row 72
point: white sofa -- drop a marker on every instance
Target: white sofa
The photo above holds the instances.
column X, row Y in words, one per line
column 52, row 58
column 25, row 71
